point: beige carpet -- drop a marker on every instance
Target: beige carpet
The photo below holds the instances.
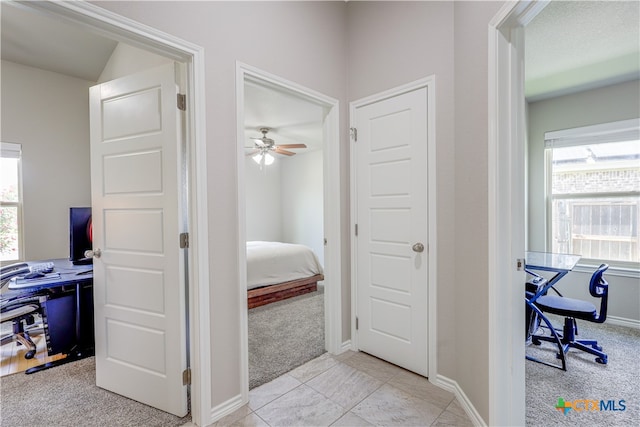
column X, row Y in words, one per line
column 285, row 335
column 67, row 396
column 618, row 380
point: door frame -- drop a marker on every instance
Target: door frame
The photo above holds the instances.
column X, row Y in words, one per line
column 331, row 214
column 432, row 228
column 506, row 191
column 126, row 30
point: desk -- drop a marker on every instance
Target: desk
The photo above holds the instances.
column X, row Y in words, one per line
column 67, row 303
column 560, row 264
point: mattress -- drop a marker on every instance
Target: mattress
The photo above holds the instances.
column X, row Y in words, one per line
column 269, row 263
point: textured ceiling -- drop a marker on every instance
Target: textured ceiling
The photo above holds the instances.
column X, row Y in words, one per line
column 577, row 45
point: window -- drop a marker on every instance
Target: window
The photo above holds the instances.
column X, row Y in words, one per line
column 10, row 203
column 594, row 192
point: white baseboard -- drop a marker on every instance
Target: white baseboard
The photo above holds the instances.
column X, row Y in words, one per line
column 621, row 321
column 345, row 346
column 225, row 408
column 452, row 386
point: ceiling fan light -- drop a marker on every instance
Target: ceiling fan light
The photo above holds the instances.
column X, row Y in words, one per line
column 268, row 159
column 257, row 158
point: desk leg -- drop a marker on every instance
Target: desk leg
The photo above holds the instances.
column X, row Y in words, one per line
column 77, row 352
column 556, row 339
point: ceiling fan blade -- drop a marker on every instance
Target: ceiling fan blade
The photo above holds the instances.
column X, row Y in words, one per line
column 285, row 152
column 292, row 146
column 252, row 152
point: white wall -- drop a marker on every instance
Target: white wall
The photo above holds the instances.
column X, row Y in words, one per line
column 48, row 113
column 285, row 201
column 127, row 60
column 608, row 104
column 263, row 201
column 302, row 201
column 304, row 44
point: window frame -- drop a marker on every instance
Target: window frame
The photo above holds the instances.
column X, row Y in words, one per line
column 625, row 130
column 14, row 150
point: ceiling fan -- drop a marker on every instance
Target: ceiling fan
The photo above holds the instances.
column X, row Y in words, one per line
column 264, row 145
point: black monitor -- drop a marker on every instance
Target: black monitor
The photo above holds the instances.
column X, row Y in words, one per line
column 80, row 235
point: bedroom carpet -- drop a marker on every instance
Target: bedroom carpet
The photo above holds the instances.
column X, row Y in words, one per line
column 285, row 335
column 586, row 379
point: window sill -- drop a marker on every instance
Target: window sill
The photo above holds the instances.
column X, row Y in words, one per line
column 620, row 271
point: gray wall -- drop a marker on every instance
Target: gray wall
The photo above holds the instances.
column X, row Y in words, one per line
column 48, row 113
column 471, row 199
column 608, row 104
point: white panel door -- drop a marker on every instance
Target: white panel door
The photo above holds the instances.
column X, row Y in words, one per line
column 391, row 210
column 140, row 324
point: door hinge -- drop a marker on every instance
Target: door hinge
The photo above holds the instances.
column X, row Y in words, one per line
column 357, row 323
column 184, row 240
column 354, row 134
column 519, row 264
column 325, row 241
column 186, row 377
column 356, row 229
column 182, row 102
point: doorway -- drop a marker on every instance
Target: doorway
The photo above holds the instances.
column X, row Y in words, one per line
column 324, row 154
column 113, row 26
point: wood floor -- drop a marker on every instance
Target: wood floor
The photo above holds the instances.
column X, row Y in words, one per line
column 12, row 356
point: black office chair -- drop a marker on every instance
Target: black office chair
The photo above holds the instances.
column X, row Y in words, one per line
column 574, row 309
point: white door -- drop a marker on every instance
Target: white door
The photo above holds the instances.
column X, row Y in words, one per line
column 391, row 210
column 140, row 324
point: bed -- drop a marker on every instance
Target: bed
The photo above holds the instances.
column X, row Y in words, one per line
column 277, row 271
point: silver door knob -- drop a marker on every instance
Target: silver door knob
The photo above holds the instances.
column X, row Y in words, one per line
column 418, row 247
column 93, row 254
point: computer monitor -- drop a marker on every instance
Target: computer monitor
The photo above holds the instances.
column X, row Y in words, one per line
column 80, row 235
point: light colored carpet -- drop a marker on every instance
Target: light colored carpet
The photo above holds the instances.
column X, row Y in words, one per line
column 67, row 396
column 618, row 380
column 285, row 335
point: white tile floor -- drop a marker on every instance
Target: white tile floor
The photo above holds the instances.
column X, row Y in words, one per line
column 352, row 389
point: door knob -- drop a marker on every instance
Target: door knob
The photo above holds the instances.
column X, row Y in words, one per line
column 418, row 247
column 93, row 254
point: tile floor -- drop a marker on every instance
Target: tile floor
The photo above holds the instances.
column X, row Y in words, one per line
column 352, row 389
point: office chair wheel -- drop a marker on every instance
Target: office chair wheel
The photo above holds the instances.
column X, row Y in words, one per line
column 30, row 354
column 535, row 341
column 602, row 361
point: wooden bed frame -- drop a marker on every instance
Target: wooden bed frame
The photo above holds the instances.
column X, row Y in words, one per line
column 281, row 291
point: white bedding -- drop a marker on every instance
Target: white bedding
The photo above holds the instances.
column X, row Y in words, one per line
column 275, row 262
